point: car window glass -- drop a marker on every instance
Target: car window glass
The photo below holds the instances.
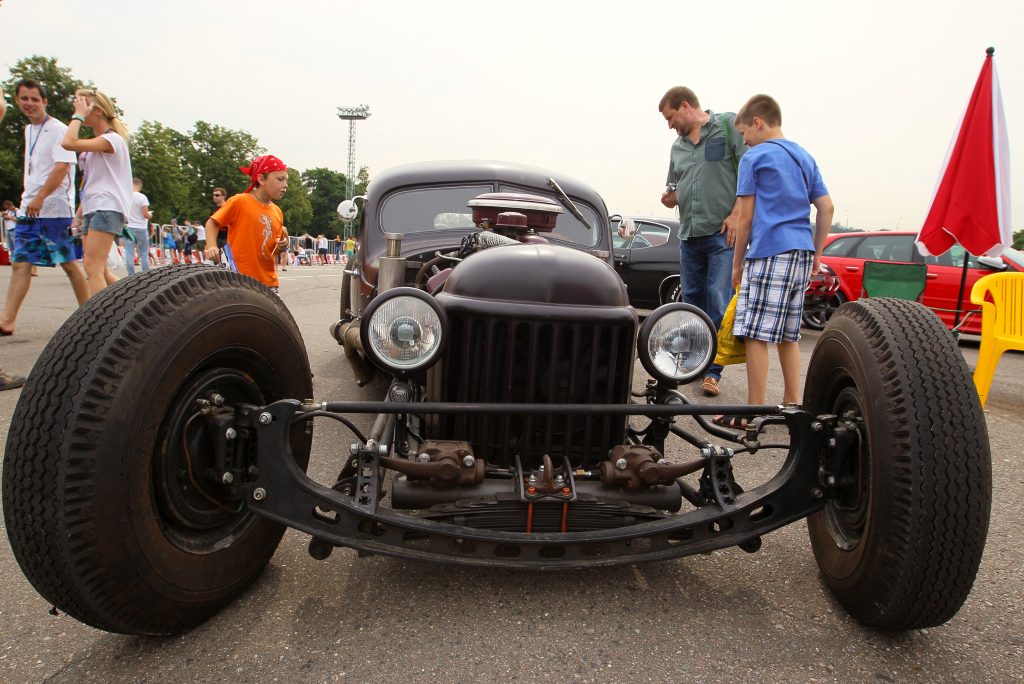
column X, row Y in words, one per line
column 839, row 247
column 420, row 210
column 568, row 227
column 953, row 257
column 886, row 248
column 650, row 234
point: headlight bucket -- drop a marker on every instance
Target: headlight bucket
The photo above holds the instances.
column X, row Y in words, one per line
column 677, row 343
column 404, row 330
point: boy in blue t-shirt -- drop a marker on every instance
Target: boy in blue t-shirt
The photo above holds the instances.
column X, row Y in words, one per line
column 777, row 182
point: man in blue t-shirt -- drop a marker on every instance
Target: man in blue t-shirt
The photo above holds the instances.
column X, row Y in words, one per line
column 777, row 182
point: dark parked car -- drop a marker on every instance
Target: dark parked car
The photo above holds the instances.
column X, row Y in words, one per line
column 846, row 253
column 159, row 447
column 647, row 259
column 646, row 253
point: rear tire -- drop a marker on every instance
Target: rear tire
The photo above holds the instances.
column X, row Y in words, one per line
column 672, row 293
column 99, row 513
column 901, row 549
column 819, row 319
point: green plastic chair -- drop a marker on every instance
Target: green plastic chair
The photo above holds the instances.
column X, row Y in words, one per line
column 889, row 279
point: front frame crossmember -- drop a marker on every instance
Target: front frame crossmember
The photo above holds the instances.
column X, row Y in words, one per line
column 282, row 492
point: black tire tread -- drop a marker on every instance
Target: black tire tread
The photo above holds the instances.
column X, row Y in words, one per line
column 49, row 468
column 940, row 452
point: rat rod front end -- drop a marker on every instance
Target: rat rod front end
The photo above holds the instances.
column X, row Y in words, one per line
column 551, row 516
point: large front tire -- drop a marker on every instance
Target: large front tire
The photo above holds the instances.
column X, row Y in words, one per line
column 901, row 544
column 100, row 498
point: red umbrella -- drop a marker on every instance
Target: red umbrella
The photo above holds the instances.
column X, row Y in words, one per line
column 972, row 200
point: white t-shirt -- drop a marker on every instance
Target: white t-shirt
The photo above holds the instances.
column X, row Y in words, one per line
column 321, row 243
column 200, row 232
column 42, row 151
column 108, row 178
column 136, row 219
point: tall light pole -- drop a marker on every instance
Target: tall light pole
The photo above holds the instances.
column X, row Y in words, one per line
column 352, row 114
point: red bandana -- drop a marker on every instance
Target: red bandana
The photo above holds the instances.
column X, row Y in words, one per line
column 268, row 163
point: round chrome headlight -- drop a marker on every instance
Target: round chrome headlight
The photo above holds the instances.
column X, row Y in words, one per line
column 403, row 330
column 677, row 343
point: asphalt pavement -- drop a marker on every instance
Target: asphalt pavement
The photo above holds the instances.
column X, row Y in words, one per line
column 724, row 616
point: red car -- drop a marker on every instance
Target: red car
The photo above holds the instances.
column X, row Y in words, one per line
column 845, row 254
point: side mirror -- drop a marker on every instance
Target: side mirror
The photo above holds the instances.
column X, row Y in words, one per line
column 348, row 210
column 627, row 228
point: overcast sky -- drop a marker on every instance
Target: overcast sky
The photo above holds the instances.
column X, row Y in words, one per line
column 872, row 89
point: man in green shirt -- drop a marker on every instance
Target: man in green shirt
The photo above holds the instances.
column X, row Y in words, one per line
column 702, row 185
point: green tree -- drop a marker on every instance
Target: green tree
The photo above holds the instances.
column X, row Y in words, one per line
column 295, row 205
column 212, row 157
column 326, row 189
column 157, row 161
column 1018, row 240
column 60, row 85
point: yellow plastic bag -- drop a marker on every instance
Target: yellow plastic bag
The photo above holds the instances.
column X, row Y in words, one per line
column 730, row 348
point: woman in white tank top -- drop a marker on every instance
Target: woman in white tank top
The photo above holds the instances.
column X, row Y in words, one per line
column 106, row 180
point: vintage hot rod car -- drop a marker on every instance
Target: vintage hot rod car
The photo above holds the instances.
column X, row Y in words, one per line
column 159, row 447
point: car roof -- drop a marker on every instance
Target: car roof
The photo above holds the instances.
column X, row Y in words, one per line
column 453, row 171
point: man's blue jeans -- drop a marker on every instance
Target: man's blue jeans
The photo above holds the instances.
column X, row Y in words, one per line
column 705, row 278
column 142, row 240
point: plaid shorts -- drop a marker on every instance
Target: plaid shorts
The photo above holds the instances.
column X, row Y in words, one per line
column 771, row 297
column 43, row 241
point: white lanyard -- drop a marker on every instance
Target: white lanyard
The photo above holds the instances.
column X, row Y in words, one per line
column 33, row 143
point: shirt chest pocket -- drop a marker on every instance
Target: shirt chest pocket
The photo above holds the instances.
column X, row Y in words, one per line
column 714, row 150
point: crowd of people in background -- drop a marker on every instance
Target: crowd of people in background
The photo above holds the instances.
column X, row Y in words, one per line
column 85, row 237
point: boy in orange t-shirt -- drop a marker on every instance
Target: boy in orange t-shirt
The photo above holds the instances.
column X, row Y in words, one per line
column 257, row 226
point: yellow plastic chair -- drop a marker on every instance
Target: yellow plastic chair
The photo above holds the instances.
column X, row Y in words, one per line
column 1002, row 323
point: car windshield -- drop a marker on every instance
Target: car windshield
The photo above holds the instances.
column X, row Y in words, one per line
column 425, row 209
column 568, row 227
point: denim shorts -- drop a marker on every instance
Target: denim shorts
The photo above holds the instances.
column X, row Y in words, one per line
column 104, row 220
column 42, row 241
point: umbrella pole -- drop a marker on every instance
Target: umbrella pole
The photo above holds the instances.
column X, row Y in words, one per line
column 960, row 297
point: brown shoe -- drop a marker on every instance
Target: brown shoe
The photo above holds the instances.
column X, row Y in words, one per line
column 8, row 381
column 710, row 387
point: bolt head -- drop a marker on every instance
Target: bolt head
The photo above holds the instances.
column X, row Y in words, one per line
column 468, row 460
column 354, row 449
column 818, row 493
column 259, row 494
column 662, row 461
column 264, row 418
column 817, row 426
column 227, row 478
column 423, row 457
column 216, row 399
column 621, row 464
column 230, row 433
column 559, row 479
column 831, row 480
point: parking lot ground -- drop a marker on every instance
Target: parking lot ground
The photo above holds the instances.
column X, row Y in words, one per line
column 724, row 616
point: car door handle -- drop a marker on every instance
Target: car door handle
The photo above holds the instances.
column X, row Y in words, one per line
column 852, row 269
column 931, row 276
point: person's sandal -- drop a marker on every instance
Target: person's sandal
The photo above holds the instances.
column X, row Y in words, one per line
column 732, row 422
column 8, row 381
column 710, row 387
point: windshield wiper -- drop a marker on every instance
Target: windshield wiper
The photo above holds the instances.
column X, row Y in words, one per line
column 568, row 203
